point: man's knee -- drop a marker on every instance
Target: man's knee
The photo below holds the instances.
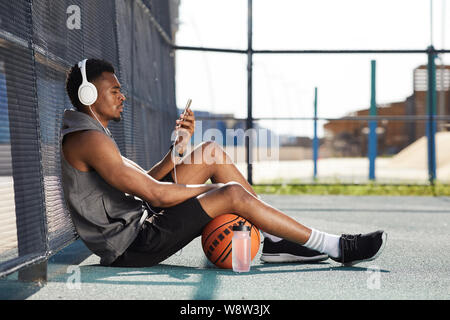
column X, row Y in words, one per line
column 213, row 153
column 236, row 193
column 211, row 147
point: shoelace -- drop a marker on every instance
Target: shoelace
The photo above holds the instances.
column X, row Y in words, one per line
column 349, row 244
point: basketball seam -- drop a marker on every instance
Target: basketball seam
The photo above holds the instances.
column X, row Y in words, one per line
column 229, row 243
column 226, row 256
column 218, row 228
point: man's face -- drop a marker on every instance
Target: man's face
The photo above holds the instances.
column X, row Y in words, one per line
column 109, row 104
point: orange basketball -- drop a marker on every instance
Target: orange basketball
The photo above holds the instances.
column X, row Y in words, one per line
column 217, row 235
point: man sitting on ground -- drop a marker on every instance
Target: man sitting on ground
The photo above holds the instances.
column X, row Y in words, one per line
column 132, row 217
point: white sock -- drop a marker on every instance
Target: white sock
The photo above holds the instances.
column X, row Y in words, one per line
column 324, row 242
column 271, row 237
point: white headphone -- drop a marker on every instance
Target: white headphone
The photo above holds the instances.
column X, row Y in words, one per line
column 87, row 92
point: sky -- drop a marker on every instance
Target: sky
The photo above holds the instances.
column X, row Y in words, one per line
column 283, row 85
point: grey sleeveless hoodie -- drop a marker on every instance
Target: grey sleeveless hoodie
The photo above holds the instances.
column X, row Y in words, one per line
column 106, row 219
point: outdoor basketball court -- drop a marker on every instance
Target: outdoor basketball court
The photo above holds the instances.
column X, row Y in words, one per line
column 414, row 265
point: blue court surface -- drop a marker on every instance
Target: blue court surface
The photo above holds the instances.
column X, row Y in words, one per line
column 415, row 263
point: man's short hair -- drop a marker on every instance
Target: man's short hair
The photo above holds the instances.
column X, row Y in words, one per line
column 94, row 68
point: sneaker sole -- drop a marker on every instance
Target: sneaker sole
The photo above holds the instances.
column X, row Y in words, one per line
column 286, row 257
column 383, row 244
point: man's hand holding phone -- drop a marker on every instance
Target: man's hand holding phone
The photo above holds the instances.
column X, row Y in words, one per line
column 185, row 126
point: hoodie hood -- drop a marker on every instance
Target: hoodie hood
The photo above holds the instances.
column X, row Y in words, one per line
column 76, row 121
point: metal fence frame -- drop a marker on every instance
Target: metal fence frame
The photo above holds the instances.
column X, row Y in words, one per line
column 431, row 118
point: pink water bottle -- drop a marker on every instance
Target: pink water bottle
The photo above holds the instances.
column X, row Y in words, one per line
column 241, row 248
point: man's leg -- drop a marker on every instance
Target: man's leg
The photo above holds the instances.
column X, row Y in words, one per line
column 210, row 161
column 232, row 197
column 349, row 249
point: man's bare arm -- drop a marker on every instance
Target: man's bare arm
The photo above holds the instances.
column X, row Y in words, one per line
column 100, row 153
column 159, row 170
column 163, row 167
column 134, row 164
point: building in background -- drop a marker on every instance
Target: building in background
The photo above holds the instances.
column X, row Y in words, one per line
column 349, row 138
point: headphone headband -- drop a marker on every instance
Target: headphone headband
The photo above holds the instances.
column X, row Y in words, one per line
column 82, row 66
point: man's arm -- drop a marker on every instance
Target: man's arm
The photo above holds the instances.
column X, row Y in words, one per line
column 101, row 154
column 163, row 167
column 159, row 170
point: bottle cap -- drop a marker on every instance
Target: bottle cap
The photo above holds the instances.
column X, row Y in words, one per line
column 241, row 227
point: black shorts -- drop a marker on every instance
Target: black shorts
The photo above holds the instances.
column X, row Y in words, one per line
column 164, row 233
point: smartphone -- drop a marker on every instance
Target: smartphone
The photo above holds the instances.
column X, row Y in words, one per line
column 188, row 104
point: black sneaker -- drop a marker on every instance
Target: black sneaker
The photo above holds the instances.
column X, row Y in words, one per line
column 361, row 247
column 287, row 251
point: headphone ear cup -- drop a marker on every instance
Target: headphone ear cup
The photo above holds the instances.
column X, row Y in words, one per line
column 87, row 94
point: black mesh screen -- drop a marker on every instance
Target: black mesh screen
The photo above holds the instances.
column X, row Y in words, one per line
column 37, row 47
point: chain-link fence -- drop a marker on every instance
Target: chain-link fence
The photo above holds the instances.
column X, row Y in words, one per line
column 39, row 41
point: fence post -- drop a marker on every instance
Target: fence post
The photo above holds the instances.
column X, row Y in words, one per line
column 315, row 140
column 431, row 110
column 249, row 126
column 372, row 123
